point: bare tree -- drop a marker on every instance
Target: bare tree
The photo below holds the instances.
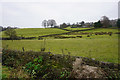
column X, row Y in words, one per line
column 105, row 21
column 51, row 22
column 45, row 23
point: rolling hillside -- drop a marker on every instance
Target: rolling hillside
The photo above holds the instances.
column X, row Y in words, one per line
column 100, row 47
column 35, row 32
column 72, row 29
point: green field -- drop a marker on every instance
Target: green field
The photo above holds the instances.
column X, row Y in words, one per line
column 100, row 47
column 69, row 28
column 35, row 32
column 103, row 30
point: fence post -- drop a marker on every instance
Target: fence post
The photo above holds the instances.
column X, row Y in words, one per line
column 23, row 49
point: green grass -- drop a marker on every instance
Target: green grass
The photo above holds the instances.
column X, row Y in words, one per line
column 35, row 32
column 5, row 72
column 103, row 30
column 69, row 28
column 9, row 72
column 100, row 47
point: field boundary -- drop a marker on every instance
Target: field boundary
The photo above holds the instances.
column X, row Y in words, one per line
column 87, row 61
column 67, row 32
column 19, row 38
column 51, row 35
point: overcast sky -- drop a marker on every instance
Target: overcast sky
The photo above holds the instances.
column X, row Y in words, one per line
column 31, row 13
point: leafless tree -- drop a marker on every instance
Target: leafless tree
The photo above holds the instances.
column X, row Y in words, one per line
column 105, row 21
column 45, row 23
column 51, row 22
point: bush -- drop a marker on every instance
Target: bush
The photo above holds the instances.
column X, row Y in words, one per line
column 39, row 64
column 46, row 69
column 79, row 36
column 118, row 23
column 40, row 38
column 48, row 65
column 98, row 24
column 88, row 35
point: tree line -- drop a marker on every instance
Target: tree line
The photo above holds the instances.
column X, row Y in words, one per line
column 5, row 28
column 104, row 22
column 51, row 23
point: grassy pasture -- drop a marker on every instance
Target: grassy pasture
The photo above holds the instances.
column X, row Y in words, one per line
column 100, row 47
column 103, row 30
column 35, row 32
column 5, row 72
column 95, row 30
column 69, row 28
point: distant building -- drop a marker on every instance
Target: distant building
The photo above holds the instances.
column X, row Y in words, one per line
column 113, row 23
column 88, row 24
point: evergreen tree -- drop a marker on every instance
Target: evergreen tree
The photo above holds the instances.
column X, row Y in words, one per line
column 118, row 23
column 98, row 24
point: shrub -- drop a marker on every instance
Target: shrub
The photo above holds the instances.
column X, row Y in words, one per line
column 48, row 65
column 38, row 64
column 110, row 33
column 40, row 38
column 88, row 35
column 41, row 68
column 11, row 33
column 79, row 36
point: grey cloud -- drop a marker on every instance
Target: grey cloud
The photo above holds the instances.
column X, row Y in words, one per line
column 31, row 14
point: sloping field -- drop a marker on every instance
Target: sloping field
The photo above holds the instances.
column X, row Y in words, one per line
column 72, row 29
column 35, row 32
column 103, row 30
column 103, row 48
column 94, row 30
column 100, row 47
